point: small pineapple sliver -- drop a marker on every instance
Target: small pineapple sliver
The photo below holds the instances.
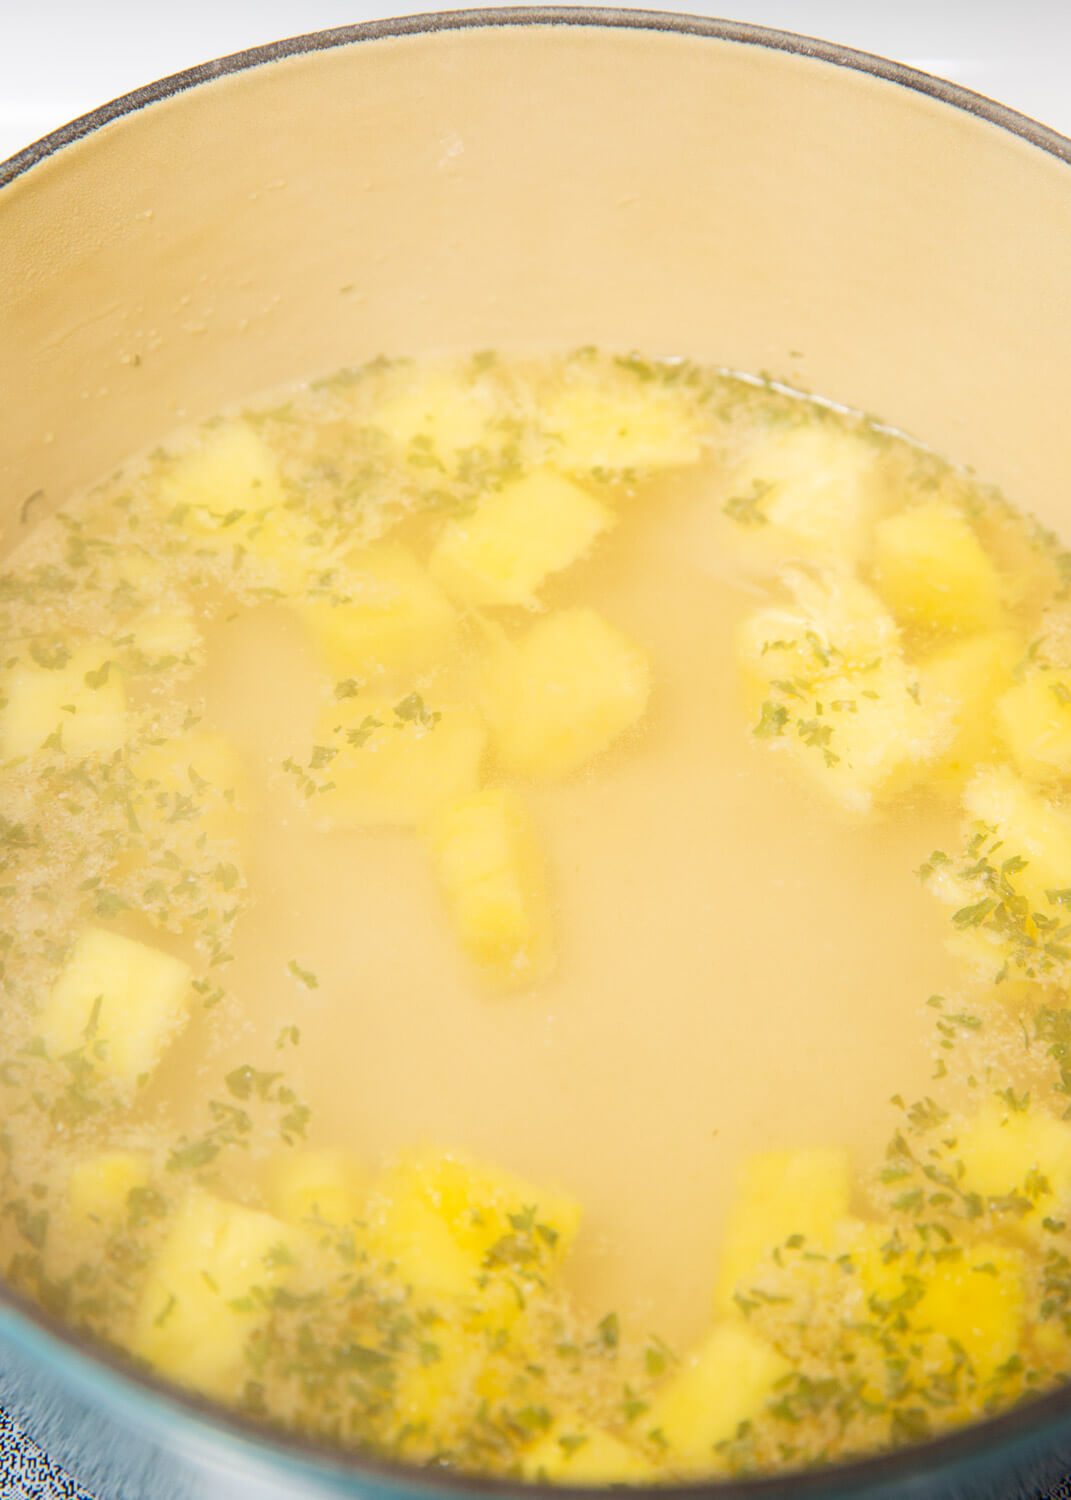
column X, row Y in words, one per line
column 119, row 1000
column 486, row 857
column 969, row 677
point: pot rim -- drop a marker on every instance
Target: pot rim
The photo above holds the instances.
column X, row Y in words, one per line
column 901, row 1465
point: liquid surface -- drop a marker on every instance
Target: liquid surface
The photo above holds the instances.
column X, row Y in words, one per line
column 460, row 793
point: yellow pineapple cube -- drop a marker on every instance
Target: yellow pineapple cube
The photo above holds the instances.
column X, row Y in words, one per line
column 969, row 677
column 205, row 1292
column 811, row 492
column 390, row 615
column 228, row 492
column 517, row 536
column 231, row 476
column 1025, row 841
column 827, row 685
column 119, row 1000
column 563, row 693
column 79, row 704
column 576, row 1451
column 1030, row 827
column 1034, row 718
column 802, row 1191
column 608, row 421
column 436, row 409
column 395, row 764
column 932, row 571
column 725, row 1382
column 445, row 1221
column 99, row 1186
column 324, row 1186
column 201, row 764
column 976, row 1301
column 487, row 859
column 1025, row 1153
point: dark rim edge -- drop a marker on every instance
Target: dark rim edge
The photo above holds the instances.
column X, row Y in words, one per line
column 1019, row 1423
column 954, row 94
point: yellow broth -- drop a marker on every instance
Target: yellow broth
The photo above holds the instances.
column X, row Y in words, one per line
column 461, row 797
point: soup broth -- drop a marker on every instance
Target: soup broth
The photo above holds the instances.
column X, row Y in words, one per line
column 535, row 921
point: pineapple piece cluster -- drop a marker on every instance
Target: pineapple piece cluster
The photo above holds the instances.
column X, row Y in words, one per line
column 945, row 682
column 409, row 739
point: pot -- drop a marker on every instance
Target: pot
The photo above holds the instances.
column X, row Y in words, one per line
column 542, row 179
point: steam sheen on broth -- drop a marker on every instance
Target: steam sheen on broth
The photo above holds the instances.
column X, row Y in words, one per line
column 538, row 921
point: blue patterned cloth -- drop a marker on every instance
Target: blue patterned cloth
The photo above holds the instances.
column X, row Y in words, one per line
column 26, row 1471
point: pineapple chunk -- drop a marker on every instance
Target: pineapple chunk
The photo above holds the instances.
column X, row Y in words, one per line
column 392, row 615
column 607, row 423
column 228, row 491
column 976, row 1302
column 829, row 687
column 804, row 1191
column 200, row 1302
column 325, row 1186
column 120, row 1000
column 487, row 860
column 968, row 677
column 1034, row 718
column 99, row 1187
column 1026, row 844
column 1030, row 827
column 808, row 492
column 436, row 409
column 575, row 1451
column 430, row 1395
column 933, row 572
column 166, row 637
column 1026, row 1153
column 444, row 1220
column 516, row 538
column 82, row 703
column 395, row 765
column 726, row 1382
column 231, row 474
column 973, row 1300
column 200, row 763
column 563, row 693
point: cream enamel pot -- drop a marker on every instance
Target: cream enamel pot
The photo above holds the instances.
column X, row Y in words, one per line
column 537, row 178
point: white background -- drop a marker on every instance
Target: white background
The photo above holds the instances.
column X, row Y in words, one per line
column 60, row 58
